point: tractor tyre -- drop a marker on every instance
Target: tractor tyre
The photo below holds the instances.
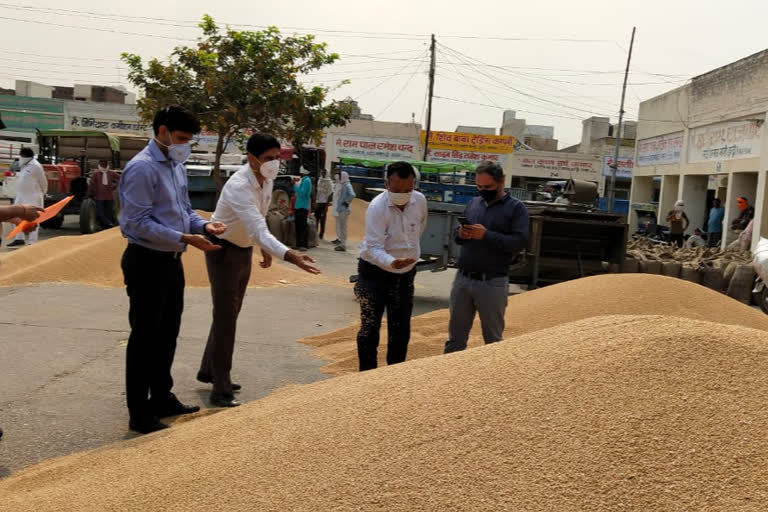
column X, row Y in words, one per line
column 88, row 222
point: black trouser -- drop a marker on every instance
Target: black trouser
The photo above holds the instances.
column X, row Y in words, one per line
column 229, row 270
column 715, row 239
column 155, row 285
column 677, row 239
column 105, row 212
column 301, row 227
column 377, row 290
column 321, row 212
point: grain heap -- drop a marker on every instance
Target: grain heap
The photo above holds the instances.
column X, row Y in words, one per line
column 610, row 294
column 95, row 260
column 607, row 413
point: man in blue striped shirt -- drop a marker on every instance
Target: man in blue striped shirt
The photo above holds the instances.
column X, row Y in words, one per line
column 158, row 221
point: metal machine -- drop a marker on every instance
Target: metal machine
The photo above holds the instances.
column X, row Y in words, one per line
column 565, row 242
column 68, row 157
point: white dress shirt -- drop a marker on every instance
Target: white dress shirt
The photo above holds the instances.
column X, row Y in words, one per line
column 242, row 206
column 391, row 233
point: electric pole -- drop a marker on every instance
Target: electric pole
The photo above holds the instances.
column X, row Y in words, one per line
column 431, row 93
column 615, row 165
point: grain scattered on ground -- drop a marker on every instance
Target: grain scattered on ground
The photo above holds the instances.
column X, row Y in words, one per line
column 611, row 294
column 603, row 414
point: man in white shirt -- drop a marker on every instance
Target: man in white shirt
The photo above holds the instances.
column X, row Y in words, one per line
column 394, row 223
column 31, row 186
column 244, row 203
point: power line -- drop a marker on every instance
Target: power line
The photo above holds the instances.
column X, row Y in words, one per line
column 39, row 22
column 405, row 85
column 3, row 50
column 518, row 91
column 65, row 64
column 390, row 77
column 493, row 106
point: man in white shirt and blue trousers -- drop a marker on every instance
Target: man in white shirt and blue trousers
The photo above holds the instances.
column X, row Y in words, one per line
column 244, row 203
column 394, row 223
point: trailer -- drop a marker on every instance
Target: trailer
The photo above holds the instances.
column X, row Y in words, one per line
column 565, row 242
column 68, row 156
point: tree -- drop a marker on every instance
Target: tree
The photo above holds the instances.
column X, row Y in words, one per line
column 242, row 80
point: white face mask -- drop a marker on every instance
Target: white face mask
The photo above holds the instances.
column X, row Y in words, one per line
column 24, row 160
column 400, row 198
column 177, row 152
column 270, row 169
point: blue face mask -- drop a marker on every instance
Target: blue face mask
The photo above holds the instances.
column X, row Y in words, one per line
column 177, row 152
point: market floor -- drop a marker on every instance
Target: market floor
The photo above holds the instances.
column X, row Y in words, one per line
column 62, row 366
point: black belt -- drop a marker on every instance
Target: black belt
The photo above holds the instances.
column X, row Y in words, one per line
column 153, row 252
column 481, row 276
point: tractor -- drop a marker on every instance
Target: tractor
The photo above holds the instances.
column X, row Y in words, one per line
column 68, row 156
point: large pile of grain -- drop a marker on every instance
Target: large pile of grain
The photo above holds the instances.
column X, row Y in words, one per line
column 356, row 221
column 611, row 294
column 608, row 413
column 95, row 260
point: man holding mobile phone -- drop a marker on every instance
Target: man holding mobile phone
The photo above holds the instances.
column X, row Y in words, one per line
column 493, row 229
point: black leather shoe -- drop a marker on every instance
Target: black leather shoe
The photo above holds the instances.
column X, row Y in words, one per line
column 147, row 426
column 221, row 400
column 206, row 379
column 175, row 409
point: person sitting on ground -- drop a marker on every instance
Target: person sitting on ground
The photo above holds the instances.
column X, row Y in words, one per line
column 695, row 240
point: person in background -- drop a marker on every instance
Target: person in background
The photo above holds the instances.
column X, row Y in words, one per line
column 744, row 240
column 496, row 230
column 15, row 214
column 678, row 224
column 303, row 189
column 242, row 206
column 324, row 193
column 159, row 223
column 747, row 213
column 695, row 240
column 102, row 188
column 343, row 210
column 394, row 223
column 715, row 224
column 334, row 210
column 31, row 186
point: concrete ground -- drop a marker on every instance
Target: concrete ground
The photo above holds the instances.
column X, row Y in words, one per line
column 62, row 370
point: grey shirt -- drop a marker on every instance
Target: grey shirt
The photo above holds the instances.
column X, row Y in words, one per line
column 506, row 224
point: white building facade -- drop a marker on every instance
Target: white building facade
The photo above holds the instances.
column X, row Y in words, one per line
column 703, row 140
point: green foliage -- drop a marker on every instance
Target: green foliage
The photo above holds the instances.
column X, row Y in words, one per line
column 238, row 81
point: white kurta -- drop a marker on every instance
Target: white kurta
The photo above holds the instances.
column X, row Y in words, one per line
column 31, row 184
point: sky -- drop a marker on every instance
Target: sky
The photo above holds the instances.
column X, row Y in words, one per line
column 555, row 62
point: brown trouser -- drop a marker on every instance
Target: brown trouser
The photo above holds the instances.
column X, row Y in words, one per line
column 229, row 270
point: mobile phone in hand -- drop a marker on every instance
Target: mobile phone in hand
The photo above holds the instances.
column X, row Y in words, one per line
column 463, row 221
